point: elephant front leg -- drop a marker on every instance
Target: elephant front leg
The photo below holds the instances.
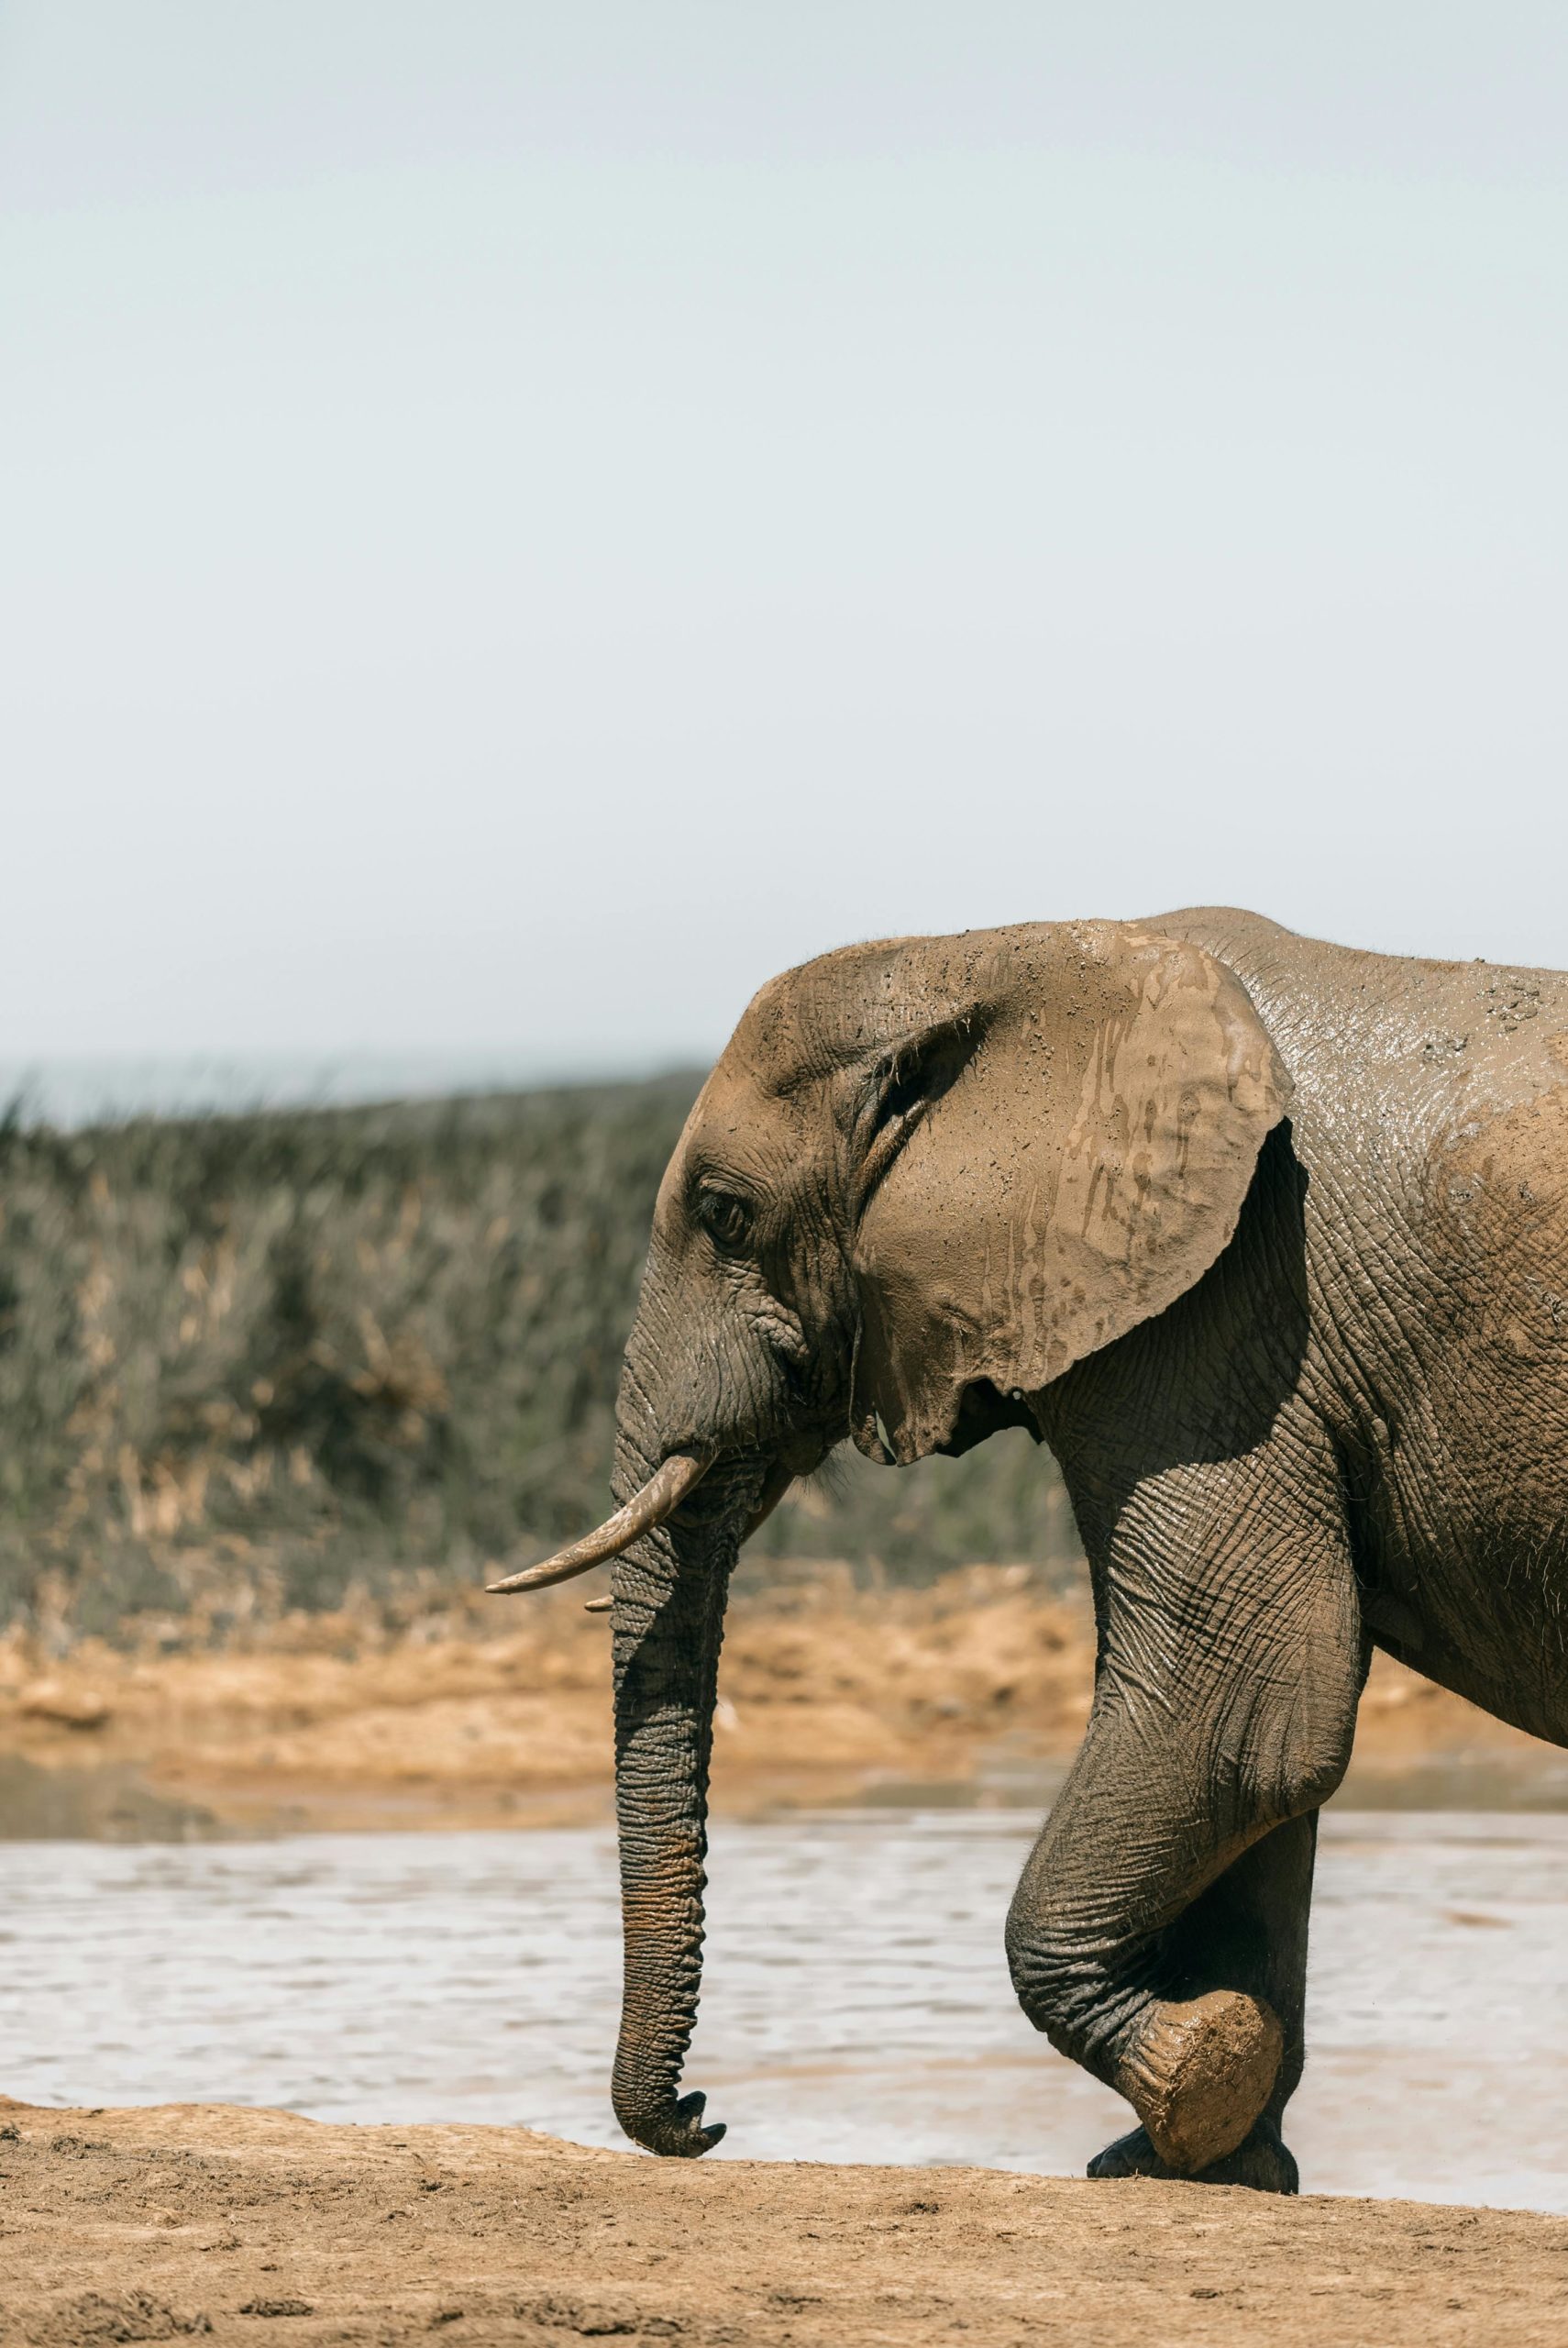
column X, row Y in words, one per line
column 1158, row 1933
column 1250, row 1927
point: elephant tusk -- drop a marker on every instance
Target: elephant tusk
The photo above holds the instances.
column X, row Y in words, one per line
column 659, row 1498
column 773, row 1492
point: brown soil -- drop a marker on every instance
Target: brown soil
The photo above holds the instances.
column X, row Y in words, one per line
column 498, row 1712
column 189, row 2219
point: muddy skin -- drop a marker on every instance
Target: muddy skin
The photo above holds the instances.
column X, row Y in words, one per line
column 1268, row 1240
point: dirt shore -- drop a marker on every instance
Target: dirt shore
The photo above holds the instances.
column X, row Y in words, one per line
column 488, row 1713
column 257, row 2226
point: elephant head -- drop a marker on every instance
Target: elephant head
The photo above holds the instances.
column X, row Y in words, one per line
column 926, row 1178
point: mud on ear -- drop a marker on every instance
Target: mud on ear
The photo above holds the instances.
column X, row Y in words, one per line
column 899, row 1087
column 1044, row 1172
column 891, row 1094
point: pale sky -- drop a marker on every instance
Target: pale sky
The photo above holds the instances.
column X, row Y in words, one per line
column 520, row 520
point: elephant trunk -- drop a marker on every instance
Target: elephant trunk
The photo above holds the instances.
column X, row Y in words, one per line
column 668, row 1621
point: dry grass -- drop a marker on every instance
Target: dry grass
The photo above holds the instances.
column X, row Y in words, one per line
column 250, row 1365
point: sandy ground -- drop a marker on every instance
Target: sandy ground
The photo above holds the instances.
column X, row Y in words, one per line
column 189, row 2219
column 495, row 1712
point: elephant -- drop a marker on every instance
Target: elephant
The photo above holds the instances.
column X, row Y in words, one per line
column 1267, row 1240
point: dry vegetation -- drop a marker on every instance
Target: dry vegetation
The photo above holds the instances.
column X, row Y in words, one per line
column 250, row 1365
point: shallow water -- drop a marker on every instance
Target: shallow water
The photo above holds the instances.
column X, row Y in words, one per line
column 858, row 2005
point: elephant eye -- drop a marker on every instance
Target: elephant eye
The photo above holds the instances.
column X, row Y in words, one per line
column 724, row 1218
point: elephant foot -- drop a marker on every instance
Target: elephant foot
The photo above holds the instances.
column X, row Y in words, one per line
column 1262, row 2160
column 1198, row 2074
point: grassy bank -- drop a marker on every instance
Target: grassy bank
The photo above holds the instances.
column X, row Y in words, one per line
column 251, row 1364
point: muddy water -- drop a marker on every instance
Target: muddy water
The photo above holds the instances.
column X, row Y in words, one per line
column 859, row 2004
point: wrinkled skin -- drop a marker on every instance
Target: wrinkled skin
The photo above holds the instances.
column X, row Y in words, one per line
column 1268, row 1241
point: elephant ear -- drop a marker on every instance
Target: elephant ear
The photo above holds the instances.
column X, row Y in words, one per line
column 1052, row 1161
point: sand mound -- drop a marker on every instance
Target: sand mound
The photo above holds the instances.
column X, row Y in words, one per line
column 192, row 2221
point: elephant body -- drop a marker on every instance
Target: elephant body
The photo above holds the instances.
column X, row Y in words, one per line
column 1351, row 1431
column 1268, row 1241
column 1430, row 1116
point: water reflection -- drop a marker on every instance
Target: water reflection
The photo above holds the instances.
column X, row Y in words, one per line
column 858, row 2005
